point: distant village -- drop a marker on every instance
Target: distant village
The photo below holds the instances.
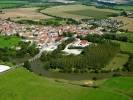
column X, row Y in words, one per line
column 48, row 38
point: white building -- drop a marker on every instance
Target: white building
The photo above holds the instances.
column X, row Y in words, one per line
column 4, row 68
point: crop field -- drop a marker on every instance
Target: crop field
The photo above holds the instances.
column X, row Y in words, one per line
column 91, row 13
column 79, row 11
column 117, row 62
column 128, row 23
column 23, row 13
column 18, row 84
column 7, row 42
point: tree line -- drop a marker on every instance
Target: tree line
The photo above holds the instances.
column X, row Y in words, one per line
column 129, row 65
column 53, row 21
column 95, row 38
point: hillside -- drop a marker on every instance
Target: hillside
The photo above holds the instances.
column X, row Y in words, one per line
column 23, row 85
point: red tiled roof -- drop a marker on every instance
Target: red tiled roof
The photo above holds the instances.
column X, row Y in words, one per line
column 83, row 42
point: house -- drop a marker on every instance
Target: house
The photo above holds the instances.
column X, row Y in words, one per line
column 80, row 43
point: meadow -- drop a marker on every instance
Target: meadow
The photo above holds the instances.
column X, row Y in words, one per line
column 79, row 11
column 8, row 42
column 19, row 84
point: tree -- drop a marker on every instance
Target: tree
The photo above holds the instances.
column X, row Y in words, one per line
column 129, row 65
column 124, row 13
column 1, row 11
column 27, row 65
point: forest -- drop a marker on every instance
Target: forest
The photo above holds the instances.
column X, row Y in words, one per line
column 92, row 59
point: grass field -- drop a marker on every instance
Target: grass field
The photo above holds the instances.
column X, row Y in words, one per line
column 7, row 42
column 117, row 62
column 11, row 3
column 23, row 13
column 121, row 84
column 23, row 85
column 124, row 7
column 79, row 11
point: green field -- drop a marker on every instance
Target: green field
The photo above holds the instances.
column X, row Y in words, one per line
column 79, row 11
column 12, row 3
column 23, row 85
column 121, row 84
column 126, row 46
column 117, row 62
column 124, row 7
column 8, row 42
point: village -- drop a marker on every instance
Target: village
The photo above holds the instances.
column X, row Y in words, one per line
column 48, row 38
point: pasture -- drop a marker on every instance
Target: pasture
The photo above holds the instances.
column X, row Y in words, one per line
column 20, row 84
column 79, row 11
column 8, row 42
column 23, row 13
